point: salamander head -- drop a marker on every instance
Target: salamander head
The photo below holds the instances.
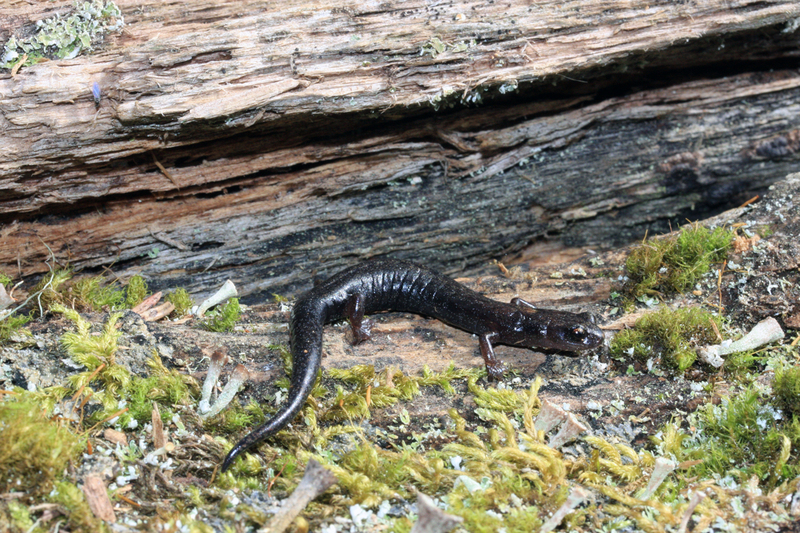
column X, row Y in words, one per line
column 544, row 328
column 574, row 332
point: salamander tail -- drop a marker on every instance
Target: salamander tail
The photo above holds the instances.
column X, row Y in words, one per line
column 306, row 360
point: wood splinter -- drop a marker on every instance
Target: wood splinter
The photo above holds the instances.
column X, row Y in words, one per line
column 149, row 311
column 97, row 497
column 316, row 480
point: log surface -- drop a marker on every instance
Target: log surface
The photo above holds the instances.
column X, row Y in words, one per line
column 261, row 142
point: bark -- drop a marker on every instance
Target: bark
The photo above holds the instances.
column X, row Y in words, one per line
column 264, row 142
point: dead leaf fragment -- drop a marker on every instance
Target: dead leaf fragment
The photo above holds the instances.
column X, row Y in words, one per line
column 115, row 437
column 743, row 244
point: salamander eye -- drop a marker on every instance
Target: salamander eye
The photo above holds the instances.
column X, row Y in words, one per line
column 576, row 334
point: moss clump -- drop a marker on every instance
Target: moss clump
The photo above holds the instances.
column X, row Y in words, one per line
column 787, row 389
column 164, row 386
column 373, row 389
column 237, row 417
column 10, row 325
column 135, row 292
column 675, row 263
column 79, row 515
column 91, row 293
column 98, row 354
column 668, row 335
column 64, row 37
column 94, row 294
column 49, row 289
column 224, row 318
column 473, row 507
column 745, row 436
column 181, row 300
column 34, row 450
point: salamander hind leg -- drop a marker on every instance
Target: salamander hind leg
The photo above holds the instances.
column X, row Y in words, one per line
column 355, row 314
column 494, row 367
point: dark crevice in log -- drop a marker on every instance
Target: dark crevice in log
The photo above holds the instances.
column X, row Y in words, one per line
column 605, row 138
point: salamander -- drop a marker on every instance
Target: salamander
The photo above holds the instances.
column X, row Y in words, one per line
column 394, row 285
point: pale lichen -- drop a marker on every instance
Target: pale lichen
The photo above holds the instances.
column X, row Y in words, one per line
column 64, row 36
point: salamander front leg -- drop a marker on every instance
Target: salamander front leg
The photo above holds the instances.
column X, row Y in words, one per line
column 495, row 367
column 355, row 314
column 519, row 303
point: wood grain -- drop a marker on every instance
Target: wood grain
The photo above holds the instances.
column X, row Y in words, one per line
column 255, row 141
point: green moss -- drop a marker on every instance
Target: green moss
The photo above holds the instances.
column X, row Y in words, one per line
column 19, row 518
column 166, row 387
column 670, row 336
column 445, row 377
column 64, row 37
column 765, row 231
column 378, row 387
column 86, row 349
column 739, row 365
column 280, row 299
column 98, row 354
column 675, row 263
column 91, row 293
column 12, row 324
column 34, row 450
column 49, row 289
column 372, row 471
column 181, row 300
column 787, row 389
column 223, row 318
column 520, row 518
column 135, row 292
column 79, row 515
column 491, row 398
column 94, row 294
column 237, row 417
column 745, row 436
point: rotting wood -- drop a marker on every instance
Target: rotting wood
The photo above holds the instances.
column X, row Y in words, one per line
column 297, row 136
column 606, row 167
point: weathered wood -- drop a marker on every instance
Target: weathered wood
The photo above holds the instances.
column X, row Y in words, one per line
column 251, row 140
column 527, row 189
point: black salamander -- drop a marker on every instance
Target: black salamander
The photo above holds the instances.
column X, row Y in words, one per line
column 393, row 285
